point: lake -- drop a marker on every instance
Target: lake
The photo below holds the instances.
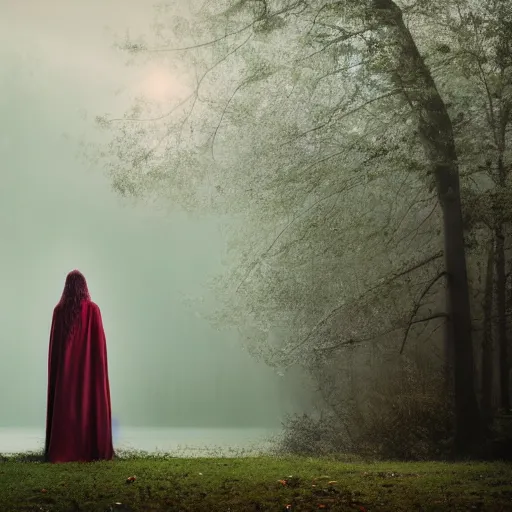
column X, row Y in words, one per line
column 180, row 441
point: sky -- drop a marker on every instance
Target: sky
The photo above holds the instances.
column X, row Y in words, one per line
column 58, row 70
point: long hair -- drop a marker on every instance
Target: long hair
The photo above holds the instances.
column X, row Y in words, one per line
column 70, row 304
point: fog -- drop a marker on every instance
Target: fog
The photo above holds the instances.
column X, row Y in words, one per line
column 167, row 366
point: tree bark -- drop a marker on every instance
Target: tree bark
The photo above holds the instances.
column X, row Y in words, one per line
column 435, row 128
column 501, row 277
column 501, row 298
column 487, row 342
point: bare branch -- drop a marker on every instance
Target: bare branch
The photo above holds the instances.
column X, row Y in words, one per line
column 338, row 308
column 208, row 43
column 393, row 92
column 397, row 202
column 214, row 135
column 344, row 68
column 150, row 119
column 441, row 314
column 418, row 305
column 352, row 341
column 414, row 231
column 422, row 263
column 339, row 39
column 263, row 16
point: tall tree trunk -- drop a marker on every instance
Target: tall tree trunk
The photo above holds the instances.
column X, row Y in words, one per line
column 501, row 297
column 504, row 116
column 435, row 128
column 448, row 358
column 487, row 342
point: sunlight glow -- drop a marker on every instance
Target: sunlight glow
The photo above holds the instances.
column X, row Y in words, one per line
column 161, row 85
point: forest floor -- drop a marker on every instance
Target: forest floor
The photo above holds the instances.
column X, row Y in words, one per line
column 261, row 483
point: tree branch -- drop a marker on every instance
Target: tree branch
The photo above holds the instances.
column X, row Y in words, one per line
column 441, row 314
column 338, row 308
column 344, row 68
column 339, row 39
column 352, row 341
column 393, row 92
column 264, row 16
column 417, row 307
column 408, row 270
column 195, row 92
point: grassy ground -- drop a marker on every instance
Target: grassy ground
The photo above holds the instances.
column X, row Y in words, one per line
column 261, row 483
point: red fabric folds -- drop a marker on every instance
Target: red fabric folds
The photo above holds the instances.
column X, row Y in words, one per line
column 78, row 418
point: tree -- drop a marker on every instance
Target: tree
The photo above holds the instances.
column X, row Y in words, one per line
column 484, row 34
column 363, row 55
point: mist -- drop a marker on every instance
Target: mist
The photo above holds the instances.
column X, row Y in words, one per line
column 168, row 366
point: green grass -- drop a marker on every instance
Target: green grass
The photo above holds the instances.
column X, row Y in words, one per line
column 165, row 483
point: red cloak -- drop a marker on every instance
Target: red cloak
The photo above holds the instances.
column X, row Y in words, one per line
column 78, row 418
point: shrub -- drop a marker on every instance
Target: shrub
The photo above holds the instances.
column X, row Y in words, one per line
column 404, row 416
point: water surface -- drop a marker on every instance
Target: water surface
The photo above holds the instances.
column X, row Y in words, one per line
column 182, row 441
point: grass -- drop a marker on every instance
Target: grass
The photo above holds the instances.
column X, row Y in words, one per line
column 255, row 483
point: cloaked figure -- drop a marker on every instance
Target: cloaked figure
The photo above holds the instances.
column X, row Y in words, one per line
column 78, row 417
